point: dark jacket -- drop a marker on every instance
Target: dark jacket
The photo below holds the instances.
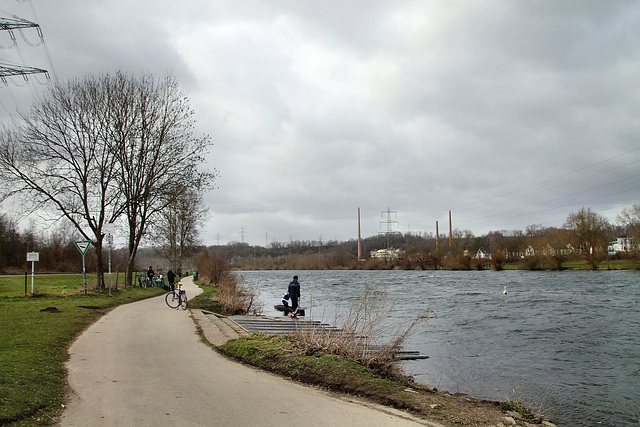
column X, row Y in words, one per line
column 294, row 289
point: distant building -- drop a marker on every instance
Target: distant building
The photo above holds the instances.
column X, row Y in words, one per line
column 387, row 254
column 548, row 250
column 482, row 254
column 623, row 245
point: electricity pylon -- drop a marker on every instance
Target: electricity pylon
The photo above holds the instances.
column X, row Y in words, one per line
column 9, row 24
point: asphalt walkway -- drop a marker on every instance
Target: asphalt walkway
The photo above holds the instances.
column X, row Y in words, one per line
column 143, row 364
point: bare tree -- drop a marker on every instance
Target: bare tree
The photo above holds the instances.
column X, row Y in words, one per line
column 629, row 218
column 56, row 159
column 101, row 148
column 156, row 151
column 590, row 231
column 176, row 229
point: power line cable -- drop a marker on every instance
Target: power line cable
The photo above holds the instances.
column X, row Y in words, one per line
column 466, row 207
column 565, row 184
column 559, row 198
column 461, row 208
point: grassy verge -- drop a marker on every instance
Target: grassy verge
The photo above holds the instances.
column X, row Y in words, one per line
column 604, row 265
column 281, row 355
column 207, row 300
column 36, row 331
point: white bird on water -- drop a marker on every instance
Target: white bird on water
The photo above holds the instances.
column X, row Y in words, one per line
column 505, row 290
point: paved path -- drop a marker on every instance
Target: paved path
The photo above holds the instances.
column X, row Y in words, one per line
column 143, row 364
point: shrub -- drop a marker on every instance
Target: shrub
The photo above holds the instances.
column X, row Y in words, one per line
column 498, row 259
column 364, row 335
column 236, row 297
column 212, row 269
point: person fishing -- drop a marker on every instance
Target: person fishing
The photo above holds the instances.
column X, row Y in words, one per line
column 294, row 294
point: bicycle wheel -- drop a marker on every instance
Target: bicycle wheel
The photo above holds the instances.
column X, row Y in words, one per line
column 183, row 301
column 172, row 299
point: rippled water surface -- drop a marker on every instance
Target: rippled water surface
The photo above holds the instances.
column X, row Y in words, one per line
column 568, row 341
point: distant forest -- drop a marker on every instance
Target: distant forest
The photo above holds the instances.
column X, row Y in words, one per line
column 585, row 237
column 418, row 252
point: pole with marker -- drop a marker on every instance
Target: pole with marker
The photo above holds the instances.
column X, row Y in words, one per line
column 83, row 246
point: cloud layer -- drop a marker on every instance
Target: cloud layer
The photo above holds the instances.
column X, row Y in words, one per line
column 507, row 113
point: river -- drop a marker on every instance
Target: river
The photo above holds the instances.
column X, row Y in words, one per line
column 568, row 342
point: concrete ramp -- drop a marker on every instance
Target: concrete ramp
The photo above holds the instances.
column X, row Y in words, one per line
column 272, row 326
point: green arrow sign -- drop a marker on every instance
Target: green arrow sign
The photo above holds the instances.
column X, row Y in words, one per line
column 83, row 246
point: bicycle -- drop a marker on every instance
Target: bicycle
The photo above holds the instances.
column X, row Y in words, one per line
column 142, row 280
column 177, row 298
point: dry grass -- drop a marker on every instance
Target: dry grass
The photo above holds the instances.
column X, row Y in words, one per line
column 236, row 297
column 365, row 334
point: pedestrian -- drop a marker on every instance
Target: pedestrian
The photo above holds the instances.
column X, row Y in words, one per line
column 150, row 274
column 294, row 294
column 171, row 277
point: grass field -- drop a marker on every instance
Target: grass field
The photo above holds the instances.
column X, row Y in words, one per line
column 36, row 331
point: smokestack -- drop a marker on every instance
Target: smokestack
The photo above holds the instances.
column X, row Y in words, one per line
column 450, row 232
column 359, row 238
column 437, row 236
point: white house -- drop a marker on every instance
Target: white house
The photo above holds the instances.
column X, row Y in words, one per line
column 387, row 254
column 623, row 245
column 482, row 254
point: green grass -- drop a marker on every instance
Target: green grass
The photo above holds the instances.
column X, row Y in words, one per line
column 36, row 331
column 50, row 284
column 279, row 354
column 208, row 299
column 583, row 265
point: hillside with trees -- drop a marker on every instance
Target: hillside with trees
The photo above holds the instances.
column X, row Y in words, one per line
column 586, row 237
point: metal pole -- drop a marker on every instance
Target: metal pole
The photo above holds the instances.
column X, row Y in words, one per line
column 33, row 269
column 84, row 275
column 110, row 240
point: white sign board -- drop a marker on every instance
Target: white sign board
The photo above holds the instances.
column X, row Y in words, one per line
column 33, row 256
column 109, row 229
column 83, row 246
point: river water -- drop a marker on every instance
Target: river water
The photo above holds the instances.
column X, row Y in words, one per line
column 568, row 342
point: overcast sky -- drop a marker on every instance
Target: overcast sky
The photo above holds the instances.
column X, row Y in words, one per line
column 508, row 113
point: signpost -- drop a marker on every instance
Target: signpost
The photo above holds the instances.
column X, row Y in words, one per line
column 83, row 246
column 33, row 257
column 109, row 230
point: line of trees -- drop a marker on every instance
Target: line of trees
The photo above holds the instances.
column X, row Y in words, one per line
column 585, row 235
column 108, row 149
column 586, row 231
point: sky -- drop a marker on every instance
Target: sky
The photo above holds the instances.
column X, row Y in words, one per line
column 506, row 113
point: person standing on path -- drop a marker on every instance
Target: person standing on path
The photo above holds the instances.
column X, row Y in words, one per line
column 150, row 274
column 171, row 277
column 294, row 294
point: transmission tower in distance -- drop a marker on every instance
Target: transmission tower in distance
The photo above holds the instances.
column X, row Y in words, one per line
column 391, row 223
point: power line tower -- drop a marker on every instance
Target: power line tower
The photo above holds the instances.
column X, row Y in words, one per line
column 390, row 224
column 7, row 69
